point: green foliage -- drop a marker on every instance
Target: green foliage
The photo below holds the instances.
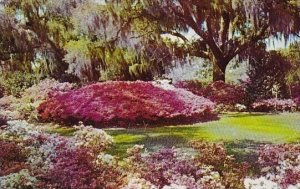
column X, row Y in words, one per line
column 16, row 82
column 124, row 40
column 224, row 29
column 116, row 45
column 35, row 31
column 267, row 74
column 293, row 55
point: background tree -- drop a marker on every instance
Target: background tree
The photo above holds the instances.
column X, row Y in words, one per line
column 36, row 31
column 267, row 74
column 225, row 28
column 293, row 78
column 114, row 43
column 293, row 54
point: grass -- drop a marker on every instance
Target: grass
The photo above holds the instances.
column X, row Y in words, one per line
column 237, row 130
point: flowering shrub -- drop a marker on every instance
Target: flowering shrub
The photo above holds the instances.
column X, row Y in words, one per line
column 76, row 168
column 274, row 105
column 54, row 161
column 14, row 83
column 210, row 167
column 280, row 167
column 226, row 96
column 167, row 168
column 31, row 158
column 2, row 90
column 194, row 86
column 22, row 179
column 91, row 138
column 297, row 101
column 261, row 182
column 30, row 98
column 125, row 103
column 12, row 158
column 296, row 94
column 3, row 120
column 216, row 156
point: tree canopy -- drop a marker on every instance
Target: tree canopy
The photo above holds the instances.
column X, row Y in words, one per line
column 227, row 28
column 123, row 40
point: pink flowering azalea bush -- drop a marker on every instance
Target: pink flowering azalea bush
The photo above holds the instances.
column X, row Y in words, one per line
column 226, row 96
column 124, row 104
column 274, row 105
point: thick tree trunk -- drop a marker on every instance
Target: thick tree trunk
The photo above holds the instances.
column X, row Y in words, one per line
column 219, row 69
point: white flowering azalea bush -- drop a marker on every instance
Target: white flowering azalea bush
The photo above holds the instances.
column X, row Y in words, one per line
column 25, row 107
column 274, row 104
column 260, row 183
column 169, row 168
column 89, row 137
column 35, row 159
column 279, row 167
column 19, row 180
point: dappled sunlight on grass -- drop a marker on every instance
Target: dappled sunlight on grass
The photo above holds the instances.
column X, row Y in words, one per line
column 259, row 128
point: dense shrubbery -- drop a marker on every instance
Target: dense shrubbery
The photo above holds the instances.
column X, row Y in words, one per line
column 33, row 159
column 194, row 86
column 15, row 83
column 279, row 167
column 226, row 96
column 274, row 105
column 267, row 75
column 295, row 90
column 12, row 157
column 56, row 162
column 30, row 98
column 126, row 103
column 210, row 167
column 295, row 93
column 2, row 90
column 3, row 120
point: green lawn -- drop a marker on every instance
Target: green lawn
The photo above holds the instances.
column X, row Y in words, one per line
column 238, row 130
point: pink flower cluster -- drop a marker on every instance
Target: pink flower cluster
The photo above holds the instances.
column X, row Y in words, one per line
column 122, row 103
column 274, row 105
